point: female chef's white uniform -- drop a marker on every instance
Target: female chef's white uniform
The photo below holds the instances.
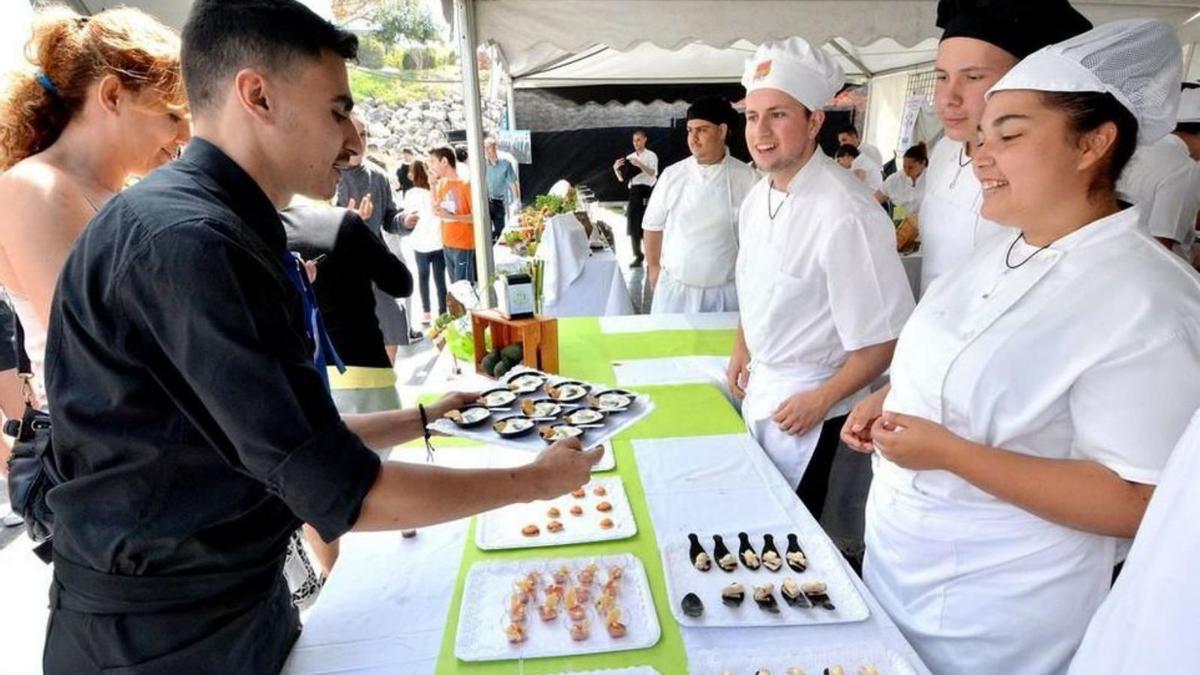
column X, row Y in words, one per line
column 1089, row 349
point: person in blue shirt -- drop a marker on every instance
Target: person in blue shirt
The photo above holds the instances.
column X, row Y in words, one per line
column 501, row 182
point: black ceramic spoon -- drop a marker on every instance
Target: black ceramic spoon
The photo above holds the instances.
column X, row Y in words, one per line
column 794, row 548
column 746, row 552
column 724, row 558
column 698, row 555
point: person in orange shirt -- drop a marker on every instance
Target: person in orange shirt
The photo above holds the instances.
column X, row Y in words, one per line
column 452, row 203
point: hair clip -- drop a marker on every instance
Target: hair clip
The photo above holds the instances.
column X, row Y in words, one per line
column 44, row 80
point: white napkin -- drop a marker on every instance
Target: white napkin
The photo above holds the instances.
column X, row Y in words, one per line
column 564, row 247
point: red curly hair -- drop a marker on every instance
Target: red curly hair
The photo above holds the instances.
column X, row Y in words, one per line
column 73, row 52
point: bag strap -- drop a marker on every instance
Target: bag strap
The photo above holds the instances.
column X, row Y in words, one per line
column 24, row 367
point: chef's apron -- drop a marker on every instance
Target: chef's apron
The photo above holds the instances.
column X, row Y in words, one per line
column 769, row 386
column 701, row 223
column 983, row 591
column 232, row 622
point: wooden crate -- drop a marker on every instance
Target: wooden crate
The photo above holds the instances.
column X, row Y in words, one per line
column 538, row 337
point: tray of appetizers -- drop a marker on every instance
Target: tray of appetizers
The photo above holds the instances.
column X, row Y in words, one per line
column 758, row 579
column 555, row 607
column 531, row 409
column 598, row 511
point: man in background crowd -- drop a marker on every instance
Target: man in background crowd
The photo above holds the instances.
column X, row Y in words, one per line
column 641, row 176
column 364, row 187
column 501, row 184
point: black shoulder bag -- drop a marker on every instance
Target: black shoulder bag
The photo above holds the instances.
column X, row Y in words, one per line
column 32, row 471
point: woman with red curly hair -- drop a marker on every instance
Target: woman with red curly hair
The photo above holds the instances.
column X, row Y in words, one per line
column 103, row 103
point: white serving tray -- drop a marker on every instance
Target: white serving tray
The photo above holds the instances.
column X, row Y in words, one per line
column 501, row 528
column 634, row 670
column 811, row 662
column 615, row 424
column 483, row 615
column 684, row 578
column 505, row 458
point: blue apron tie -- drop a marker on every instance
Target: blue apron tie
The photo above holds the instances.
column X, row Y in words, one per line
column 324, row 352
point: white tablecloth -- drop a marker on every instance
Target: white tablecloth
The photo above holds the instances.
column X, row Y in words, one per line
column 727, row 483
column 645, row 323
column 387, row 602
column 599, row 290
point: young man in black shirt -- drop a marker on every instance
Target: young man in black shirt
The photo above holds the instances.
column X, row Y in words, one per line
column 190, row 421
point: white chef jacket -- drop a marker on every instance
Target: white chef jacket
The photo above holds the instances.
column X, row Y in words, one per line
column 1146, row 623
column 648, row 158
column 871, row 168
column 950, row 224
column 1089, row 350
column 873, row 153
column 1161, row 180
column 901, row 190
column 696, row 207
column 820, row 279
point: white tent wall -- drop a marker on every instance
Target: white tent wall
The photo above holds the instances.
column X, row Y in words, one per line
column 885, row 103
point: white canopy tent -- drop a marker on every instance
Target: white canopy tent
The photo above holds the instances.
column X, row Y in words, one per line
column 590, row 42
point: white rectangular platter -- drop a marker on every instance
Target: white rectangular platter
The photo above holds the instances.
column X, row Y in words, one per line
column 501, row 528
column 484, row 612
column 684, row 578
column 613, row 425
column 851, row 658
column 633, row 670
column 504, row 458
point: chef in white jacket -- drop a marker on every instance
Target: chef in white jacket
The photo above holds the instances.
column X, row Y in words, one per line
column 1161, row 181
column 691, row 222
column 1146, row 623
column 1039, row 387
column 981, row 40
column 823, row 294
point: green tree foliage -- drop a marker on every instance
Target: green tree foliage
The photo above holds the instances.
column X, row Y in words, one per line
column 404, row 19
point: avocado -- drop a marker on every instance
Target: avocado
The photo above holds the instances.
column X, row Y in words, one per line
column 513, row 352
column 490, row 362
column 501, row 368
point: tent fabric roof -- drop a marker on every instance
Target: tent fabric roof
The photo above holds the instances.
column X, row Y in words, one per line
column 648, row 63
column 534, row 34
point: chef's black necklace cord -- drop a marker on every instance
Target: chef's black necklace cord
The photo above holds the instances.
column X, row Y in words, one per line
column 425, row 430
column 961, row 163
column 771, row 214
column 1007, row 256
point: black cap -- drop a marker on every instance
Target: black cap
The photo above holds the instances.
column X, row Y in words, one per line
column 711, row 109
column 1019, row 27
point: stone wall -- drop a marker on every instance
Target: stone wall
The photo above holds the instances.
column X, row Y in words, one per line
column 421, row 124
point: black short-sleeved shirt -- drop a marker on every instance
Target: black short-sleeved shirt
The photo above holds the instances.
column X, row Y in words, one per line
column 189, row 419
column 356, row 258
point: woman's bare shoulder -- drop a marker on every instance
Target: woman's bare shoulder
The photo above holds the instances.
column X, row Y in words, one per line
column 36, row 193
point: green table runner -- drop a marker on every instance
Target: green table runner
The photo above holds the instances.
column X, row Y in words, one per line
column 680, row 410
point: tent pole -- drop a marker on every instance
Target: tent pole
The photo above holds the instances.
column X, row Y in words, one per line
column 464, row 18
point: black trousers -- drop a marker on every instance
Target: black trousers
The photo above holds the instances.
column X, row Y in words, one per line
column 814, row 485
column 639, row 196
column 497, row 214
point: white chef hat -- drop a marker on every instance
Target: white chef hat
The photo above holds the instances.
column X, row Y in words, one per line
column 1138, row 61
column 1189, row 106
column 796, row 68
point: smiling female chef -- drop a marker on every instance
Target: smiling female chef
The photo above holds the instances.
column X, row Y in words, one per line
column 1039, row 387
